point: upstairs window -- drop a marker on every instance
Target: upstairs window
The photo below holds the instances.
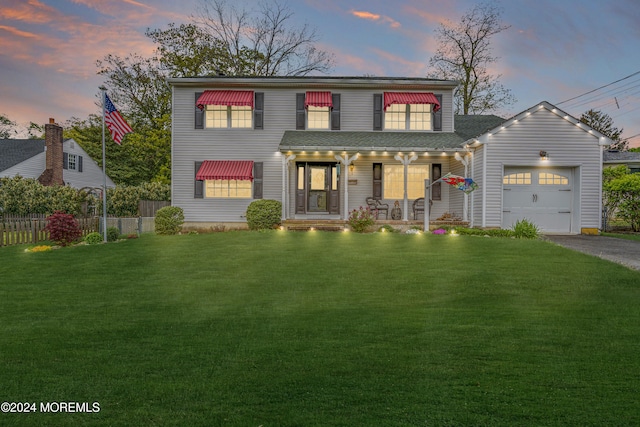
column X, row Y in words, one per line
column 318, row 111
column 408, row 117
column 409, row 111
column 317, row 117
column 227, row 108
column 221, row 116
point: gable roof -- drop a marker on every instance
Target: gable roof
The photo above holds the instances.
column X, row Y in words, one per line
column 602, row 139
column 15, row 151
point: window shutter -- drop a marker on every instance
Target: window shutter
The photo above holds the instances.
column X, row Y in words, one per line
column 437, row 116
column 258, row 111
column 199, row 120
column 300, row 113
column 65, row 160
column 377, row 181
column 198, row 186
column 79, row 163
column 436, row 174
column 257, row 180
column 335, row 112
column 377, row 111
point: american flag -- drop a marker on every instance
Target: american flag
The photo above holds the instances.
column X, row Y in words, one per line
column 118, row 127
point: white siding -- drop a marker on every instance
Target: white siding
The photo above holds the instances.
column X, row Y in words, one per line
column 91, row 175
column 567, row 145
column 190, row 145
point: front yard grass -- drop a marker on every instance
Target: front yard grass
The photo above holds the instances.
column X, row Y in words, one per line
column 320, row 329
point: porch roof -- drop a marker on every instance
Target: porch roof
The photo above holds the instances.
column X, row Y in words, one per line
column 375, row 141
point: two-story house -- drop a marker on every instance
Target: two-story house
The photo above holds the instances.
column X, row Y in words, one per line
column 323, row 145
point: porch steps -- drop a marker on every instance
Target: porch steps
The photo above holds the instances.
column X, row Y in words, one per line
column 313, row 224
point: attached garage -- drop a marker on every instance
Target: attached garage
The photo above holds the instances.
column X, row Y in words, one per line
column 542, row 165
column 544, row 196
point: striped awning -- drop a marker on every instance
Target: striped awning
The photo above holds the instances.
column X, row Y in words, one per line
column 318, row 99
column 226, row 169
column 411, row 98
column 225, row 97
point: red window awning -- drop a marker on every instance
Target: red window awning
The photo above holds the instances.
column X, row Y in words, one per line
column 318, row 99
column 226, row 169
column 225, row 97
column 411, row 98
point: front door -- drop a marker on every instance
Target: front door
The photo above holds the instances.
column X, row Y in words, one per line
column 317, row 188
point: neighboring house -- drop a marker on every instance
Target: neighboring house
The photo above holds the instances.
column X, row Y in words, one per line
column 322, row 145
column 631, row 159
column 51, row 161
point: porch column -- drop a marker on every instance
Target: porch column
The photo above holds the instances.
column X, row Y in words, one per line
column 286, row 161
column 465, row 162
column 405, row 160
column 346, row 161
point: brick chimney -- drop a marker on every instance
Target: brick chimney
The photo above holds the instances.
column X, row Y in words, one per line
column 52, row 175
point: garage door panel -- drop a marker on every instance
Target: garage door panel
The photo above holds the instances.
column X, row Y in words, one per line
column 543, row 196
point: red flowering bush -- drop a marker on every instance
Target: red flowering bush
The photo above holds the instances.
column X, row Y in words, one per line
column 63, row 228
column 361, row 219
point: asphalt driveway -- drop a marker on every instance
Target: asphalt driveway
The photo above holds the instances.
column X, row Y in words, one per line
column 625, row 252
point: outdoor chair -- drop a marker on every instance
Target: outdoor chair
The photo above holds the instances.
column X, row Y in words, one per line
column 376, row 206
column 418, row 207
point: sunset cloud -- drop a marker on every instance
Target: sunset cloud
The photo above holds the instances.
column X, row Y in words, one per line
column 375, row 17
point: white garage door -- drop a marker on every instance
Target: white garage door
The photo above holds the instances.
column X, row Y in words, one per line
column 543, row 196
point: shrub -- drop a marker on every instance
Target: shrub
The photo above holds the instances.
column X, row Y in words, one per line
column 387, row 229
column 63, row 228
column 169, row 220
column 24, row 196
column 479, row 232
column 360, row 219
column 264, row 214
column 624, row 190
column 112, row 234
column 93, row 238
column 525, row 229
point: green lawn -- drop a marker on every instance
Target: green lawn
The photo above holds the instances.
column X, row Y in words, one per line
column 320, row 329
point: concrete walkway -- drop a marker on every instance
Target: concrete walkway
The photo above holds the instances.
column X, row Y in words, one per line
column 622, row 251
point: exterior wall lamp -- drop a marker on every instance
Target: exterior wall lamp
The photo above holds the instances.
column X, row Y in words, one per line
column 352, row 166
column 544, row 155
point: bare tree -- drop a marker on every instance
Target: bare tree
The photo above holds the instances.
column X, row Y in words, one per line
column 464, row 54
column 603, row 123
column 264, row 43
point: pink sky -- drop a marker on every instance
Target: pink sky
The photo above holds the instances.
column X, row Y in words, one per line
column 553, row 50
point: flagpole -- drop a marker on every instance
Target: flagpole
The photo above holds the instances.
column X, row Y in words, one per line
column 104, row 170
